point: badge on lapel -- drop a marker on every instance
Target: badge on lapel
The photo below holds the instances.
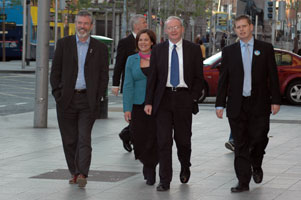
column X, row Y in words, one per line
column 257, row 52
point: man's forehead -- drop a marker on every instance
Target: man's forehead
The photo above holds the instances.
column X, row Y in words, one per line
column 173, row 21
column 83, row 18
column 241, row 22
column 141, row 20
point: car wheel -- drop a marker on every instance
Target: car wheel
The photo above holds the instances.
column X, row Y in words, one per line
column 293, row 93
column 204, row 95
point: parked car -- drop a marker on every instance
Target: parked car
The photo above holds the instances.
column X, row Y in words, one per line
column 289, row 73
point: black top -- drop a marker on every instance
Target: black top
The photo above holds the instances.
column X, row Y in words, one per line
column 146, row 70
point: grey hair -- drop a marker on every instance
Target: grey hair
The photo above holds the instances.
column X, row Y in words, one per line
column 84, row 13
column 135, row 20
column 173, row 17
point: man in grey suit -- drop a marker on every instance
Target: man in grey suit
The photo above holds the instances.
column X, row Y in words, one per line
column 79, row 79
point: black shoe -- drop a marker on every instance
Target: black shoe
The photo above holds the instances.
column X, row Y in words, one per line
column 240, row 188
column 151, row 180
column 125, row 137
column 230, row 145
column 162, row 187
column 184, row 174
column 144, row 172
column 257, row 175
column 150, row 175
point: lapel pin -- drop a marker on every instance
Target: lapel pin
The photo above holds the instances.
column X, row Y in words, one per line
column 257, row 52
column 91, row 50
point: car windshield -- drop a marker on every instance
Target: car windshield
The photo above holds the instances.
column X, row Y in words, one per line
column 212, row 59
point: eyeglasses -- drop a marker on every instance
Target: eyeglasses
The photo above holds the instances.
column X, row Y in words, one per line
column 173, row 28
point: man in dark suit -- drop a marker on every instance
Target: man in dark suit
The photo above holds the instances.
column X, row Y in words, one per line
column 125, row 48
column 249, row 88
column 175, row 83
column 79, row 79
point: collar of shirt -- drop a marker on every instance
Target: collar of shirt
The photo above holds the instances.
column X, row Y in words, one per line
column 250, row 43
column 134, row 34
column 80, row 42
column 179, row 44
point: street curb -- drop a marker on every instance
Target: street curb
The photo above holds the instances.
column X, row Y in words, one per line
column 18, row 71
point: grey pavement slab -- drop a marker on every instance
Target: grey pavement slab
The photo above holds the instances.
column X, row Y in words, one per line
column 27, row 152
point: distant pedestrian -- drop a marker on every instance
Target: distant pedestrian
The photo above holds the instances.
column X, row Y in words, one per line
column 203, row 49
column 299, row 52
column 79, row 80
column 296, row 41
column 223, row 42
column 249, row 86
column 198, row 41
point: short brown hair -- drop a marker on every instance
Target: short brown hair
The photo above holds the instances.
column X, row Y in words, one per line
column 150, row 34
column 246, row 17
column 84, row 13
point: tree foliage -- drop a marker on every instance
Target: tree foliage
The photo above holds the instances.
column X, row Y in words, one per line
column 296, row 6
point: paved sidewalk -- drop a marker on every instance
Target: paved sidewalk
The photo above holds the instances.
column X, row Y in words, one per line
column 27, row 152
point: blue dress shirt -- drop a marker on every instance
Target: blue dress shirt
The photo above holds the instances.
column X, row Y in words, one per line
column 82, row 49
column 247, row 56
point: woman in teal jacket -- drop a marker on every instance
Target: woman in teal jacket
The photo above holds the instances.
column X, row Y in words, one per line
column 142, row 126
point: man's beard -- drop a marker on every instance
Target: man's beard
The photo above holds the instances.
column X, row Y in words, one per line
column 84, row 34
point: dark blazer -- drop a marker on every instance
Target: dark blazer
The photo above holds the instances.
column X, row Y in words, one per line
column 125, row 48
column 265, row 84
column 193, row 72
column 65, row 68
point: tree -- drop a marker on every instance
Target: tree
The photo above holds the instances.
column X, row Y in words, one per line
column 296, row 6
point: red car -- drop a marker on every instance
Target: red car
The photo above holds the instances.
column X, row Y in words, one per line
column 289, row 72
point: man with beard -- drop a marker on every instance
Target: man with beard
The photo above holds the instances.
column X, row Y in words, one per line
column 79, row 79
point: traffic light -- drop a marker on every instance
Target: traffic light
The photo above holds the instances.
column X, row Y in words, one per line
column 269, row 10
column 158, row 20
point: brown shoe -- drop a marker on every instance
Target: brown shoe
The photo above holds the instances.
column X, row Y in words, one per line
column 73, row 180
column 82, row 181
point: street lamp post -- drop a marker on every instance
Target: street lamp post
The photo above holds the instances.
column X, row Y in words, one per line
column 55, row 23
column 42, row 68
column 113, row 31
column 149, row 16
column 124, row 25
column 24, row 33
column 3, row 32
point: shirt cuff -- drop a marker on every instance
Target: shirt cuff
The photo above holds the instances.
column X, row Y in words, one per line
column 219, row 108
